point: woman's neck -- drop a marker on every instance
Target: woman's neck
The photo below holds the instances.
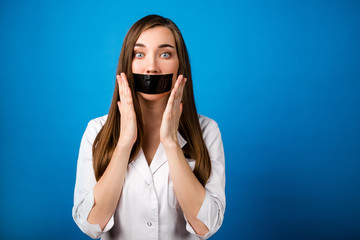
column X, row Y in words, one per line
column 152, row 112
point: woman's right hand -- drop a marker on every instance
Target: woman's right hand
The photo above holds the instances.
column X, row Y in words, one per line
column 128, row 127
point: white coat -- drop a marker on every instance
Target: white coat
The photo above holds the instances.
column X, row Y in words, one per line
column 148, row 208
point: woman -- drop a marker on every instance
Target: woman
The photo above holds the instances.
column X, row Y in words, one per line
column 152, row 168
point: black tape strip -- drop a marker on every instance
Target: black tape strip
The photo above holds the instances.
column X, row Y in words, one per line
column 152, row 84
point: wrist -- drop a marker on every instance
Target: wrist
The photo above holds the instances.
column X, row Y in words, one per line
column 172, row 144
column 124, row 144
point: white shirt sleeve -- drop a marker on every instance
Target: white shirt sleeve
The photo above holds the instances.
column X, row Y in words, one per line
column 212, row 209
column 84, row 186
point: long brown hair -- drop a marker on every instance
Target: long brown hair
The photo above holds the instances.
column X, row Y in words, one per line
column 189, row 126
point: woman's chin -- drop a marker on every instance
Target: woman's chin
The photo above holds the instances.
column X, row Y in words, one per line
column 153, row 97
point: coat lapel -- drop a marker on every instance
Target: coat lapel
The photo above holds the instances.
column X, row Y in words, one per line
column 142, row 167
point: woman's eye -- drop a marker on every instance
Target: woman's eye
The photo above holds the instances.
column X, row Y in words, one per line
column 139, row 55
column 165, row 55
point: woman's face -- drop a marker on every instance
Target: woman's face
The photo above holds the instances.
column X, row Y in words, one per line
column 155, row 53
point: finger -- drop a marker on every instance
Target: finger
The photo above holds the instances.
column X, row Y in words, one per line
column 122, row 89
column 127, row 90
column 118, row 79
column 126, row 83
column 128, row 96
column 181, row 88
column 178, row 81
column 172, row 96
column 169, row 104
column 179, row 91
column 181, row 85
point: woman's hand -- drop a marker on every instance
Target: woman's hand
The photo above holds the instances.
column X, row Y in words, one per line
column 128, row 130
column 172, row 113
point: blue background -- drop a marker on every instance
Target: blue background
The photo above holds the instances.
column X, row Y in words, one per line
column 281, row 78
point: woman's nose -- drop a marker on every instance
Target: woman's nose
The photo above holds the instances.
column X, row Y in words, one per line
column 152, row 66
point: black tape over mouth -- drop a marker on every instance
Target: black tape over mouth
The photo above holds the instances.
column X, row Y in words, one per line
column 152, row 84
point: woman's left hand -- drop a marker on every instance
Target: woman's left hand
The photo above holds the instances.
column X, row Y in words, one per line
column 172, row 113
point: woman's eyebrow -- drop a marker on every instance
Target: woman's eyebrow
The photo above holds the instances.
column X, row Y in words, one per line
column 166, row 45
column 139, row 45
column 160, row 46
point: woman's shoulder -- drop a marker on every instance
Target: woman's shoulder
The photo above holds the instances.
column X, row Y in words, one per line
column 94, row 125
column 207, row 124
column 99, row 121
column 210, row 131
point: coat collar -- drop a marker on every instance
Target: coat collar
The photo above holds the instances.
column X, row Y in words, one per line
column 159, row 159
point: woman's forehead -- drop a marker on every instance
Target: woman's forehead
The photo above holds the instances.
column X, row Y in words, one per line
column 156, row 36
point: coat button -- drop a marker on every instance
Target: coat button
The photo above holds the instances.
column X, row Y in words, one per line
column 149, row 224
